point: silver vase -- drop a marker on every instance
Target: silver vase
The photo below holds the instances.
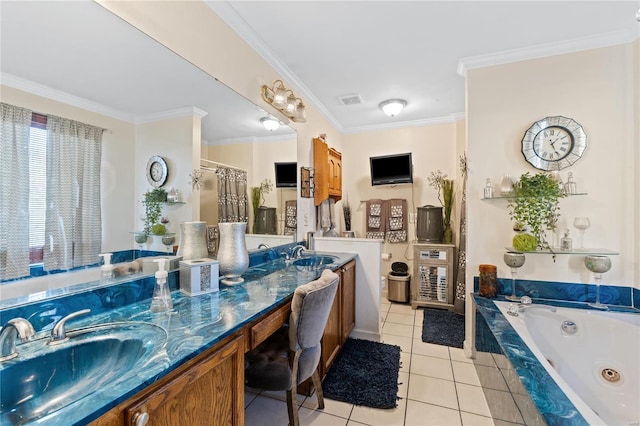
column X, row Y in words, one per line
column 193, row 243
column 232, row 252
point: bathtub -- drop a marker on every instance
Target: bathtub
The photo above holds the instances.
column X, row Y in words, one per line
column 593, row 356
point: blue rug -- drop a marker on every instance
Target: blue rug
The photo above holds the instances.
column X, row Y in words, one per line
column 364, row 373
column 443, row 327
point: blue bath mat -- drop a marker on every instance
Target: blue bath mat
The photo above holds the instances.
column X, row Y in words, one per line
column 364, row 373
column 443, row 327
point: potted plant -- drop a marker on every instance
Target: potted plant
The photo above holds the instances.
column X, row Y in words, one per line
column 153, row 200
column 257, row 199
column 534, row 207
column 444, row 186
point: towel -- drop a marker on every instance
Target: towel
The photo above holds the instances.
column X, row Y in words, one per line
column 326, row 215
column 376, row 219
column 396, row 231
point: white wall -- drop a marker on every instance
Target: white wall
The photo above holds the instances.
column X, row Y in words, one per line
column 594, row 87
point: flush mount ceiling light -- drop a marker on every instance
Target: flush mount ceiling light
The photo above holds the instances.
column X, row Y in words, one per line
column 392, row 107
column 270, row 123
column 285, row 101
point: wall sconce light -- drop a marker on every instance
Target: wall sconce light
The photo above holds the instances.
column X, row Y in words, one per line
column 284, row 101
column 270, row 123
column 392, row 107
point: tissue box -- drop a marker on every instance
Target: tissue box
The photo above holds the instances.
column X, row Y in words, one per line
column 199, row 276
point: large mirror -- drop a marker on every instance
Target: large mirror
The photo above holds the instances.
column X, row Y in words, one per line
column 79, row 61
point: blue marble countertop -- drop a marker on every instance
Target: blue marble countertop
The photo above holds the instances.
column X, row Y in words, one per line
column 194, row 325
column 553, row 404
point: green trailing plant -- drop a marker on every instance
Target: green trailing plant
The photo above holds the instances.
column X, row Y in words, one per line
column 536, row 204
column 257, row 199
column 152, row 202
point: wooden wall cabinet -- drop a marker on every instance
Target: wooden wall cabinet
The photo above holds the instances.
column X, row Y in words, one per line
column 327, row 163
column 208, row 390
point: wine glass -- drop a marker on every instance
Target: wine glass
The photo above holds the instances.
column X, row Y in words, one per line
column 598, row 265
column 582, row 224
column 513, row 260
column 140, row 239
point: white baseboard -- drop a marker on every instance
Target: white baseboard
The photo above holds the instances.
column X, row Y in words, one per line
column 365, row 335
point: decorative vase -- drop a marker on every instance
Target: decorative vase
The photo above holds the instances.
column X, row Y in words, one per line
column 506, row 186
column 232, row 252
column 193, row 243
column 448, row 234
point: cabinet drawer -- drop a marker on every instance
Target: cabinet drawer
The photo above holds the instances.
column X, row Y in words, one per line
column 259, row 332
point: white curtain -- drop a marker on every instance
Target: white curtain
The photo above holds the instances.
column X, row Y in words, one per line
column 232, row 195
column 73, row 227
column 14, row 191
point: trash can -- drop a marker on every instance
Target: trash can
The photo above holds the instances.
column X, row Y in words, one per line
column 398, row 282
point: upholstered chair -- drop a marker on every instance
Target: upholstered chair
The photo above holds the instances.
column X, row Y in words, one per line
column 292, row 354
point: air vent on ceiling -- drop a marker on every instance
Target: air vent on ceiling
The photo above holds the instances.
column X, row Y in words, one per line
column 350, row 99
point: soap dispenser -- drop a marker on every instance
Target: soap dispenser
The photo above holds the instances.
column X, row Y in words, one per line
column 161, row 300
column 106, row 270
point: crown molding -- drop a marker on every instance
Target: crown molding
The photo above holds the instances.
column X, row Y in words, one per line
column 229, row 15
column 548, row 49
column 60, row 96
column 404, row 124
column 174, row 113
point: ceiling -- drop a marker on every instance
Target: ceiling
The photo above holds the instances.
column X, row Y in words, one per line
column 323, row 49
column 415, row 50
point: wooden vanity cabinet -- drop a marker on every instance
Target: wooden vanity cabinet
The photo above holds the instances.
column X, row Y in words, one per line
column 208, row 390
column 342, row 319
column 327, row 164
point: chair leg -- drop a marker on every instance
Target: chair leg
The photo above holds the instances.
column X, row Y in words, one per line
column 318, row 385
column 292, row 407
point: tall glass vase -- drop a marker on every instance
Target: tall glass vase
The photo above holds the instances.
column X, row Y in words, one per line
column 193, row 242
column 232, row 252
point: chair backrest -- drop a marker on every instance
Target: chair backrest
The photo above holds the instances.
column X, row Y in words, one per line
column 310, row 309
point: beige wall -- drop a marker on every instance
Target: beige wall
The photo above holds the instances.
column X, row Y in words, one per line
column 258, row 158
column 117, row 164
column 595, row 88
column 433, row 147
column 195, row 32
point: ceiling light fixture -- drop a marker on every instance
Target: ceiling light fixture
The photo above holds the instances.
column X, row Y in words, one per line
column 285, row 101
column 392, row 107
column 270, row 123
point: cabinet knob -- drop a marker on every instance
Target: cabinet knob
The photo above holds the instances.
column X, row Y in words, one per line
column 140, row 419
column 344, row 270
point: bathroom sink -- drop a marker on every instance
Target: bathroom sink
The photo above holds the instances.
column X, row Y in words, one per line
column 45, row 378
column 315, row 260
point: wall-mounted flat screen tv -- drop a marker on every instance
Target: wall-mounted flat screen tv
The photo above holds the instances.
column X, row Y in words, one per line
column 391, row 169
column 286, row 175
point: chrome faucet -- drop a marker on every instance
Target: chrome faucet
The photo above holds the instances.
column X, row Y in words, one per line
column 263, row 245
column 296, row 251
column 15, row 328
column 525, row 304
column 59, row 332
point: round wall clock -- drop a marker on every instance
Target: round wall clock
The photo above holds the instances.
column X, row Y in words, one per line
column 554, row 143
column 157, row 171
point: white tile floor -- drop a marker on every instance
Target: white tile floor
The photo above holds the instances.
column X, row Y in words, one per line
column 439, row 386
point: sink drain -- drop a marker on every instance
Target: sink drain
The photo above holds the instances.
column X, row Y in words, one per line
column 610, row 375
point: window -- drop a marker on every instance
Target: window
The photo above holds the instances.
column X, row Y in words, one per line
column 37, row 186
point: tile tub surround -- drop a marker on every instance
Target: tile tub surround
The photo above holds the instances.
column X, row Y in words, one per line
column 619, row 298
column 552, row 403
column 194, row 325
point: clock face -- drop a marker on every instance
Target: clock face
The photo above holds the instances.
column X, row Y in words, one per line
column 554, row 143
column 157, row 171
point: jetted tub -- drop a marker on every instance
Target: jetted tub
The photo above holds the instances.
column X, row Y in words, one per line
column 593, row 356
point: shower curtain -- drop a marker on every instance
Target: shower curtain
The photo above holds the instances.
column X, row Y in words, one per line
column 232, row 195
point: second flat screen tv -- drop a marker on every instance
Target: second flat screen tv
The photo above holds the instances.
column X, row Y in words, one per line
column 391, row 169
column 286, row 175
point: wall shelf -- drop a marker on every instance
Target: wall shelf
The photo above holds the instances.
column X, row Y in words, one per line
column 508, row 197
column 575, row 251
